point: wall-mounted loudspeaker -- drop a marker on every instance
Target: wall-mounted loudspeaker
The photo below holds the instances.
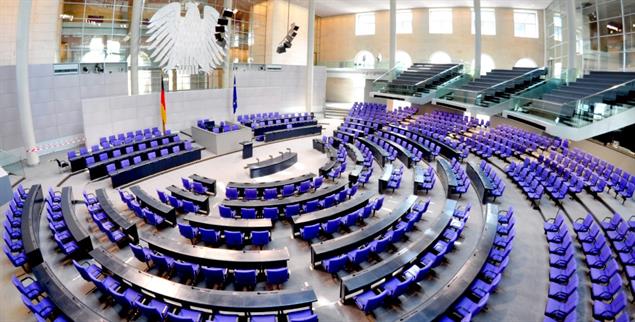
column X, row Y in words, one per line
column 288, row 39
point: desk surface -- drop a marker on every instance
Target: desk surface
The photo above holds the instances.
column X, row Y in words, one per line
column 374, row 146
column 339, row 245
column 203, row 297
column 219, row 223
column 218, row 257
column 188, row 195
column 338, row 210
column 112, row 213
column 438, row 303
column 449, row 174
column 30, row 226
column 273, row 161
column 405, row 256
column 300, row 199
column 151, row 202
column 480, row 174
column 64, row 299
column 79, row 233
column 271, row 184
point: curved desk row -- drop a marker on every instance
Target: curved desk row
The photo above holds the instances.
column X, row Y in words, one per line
column 404, row 155
column 447, row 176
column 63, row 298
column 440, row 302
column 427, row 153
column 357, row 120
column 160, row 209
column 292, row 132
column 78, row 232
column 328, row 166
column 446, row 150
column 79, row 162
column 381, row 155
column 348, row 242
column 338, row 210
column 272, row 165
column 385, row 178
column 146, row 168
column 217, row 257
column 30, row 226
column 128, row 227
column 261, row 186
column 202, row 201
column 218, row 223
column 208, row 183
column 190, row 296
column 354, row 153
column 350, row 136
column 263, row 130
column 484, row 186
column 392, row 265
column 281, row 203
column 353, row 176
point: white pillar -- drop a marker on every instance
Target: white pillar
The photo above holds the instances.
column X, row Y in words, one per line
column 571, row 54
column 228, row 81
column 135, row 35
column 393, row 34
column 310, row 42
column 477, row 39
column 22, row 80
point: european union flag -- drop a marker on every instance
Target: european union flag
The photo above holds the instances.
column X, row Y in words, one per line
column 235, row 101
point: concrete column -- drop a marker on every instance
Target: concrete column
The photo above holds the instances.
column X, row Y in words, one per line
column 22, row 81
column 310, row 43
column 571, row 41
column 477, row 39
column 393, row 34
column 135, row 35
column 228, row 81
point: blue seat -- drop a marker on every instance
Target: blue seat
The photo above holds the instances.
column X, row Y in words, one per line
column 209, row 236
column 358, row 256
column 288, row 190
column 190, row 207
column 248, row 213
column 141, row 253
column 335, row 264
column 30, row 290
column 154, row 310
column 125, row 298
column 231, row 193
column 350, row 219
column 226, row 212
column 331, row 226
column 260, row 237
column 305, row 186
column 251, row 194
column 185, row 315
column 271, row 193
column 311, row 206
column 175, row 202
column 328, row 202
column 317, row 182
column 309, row 232
column 380, row 245
column 214, row 275
column 218, row 317
column 187, row 184
column 185, row 270
column 302, row 316
column 163, row 262
column 245, row 278
column 271, row 213
column 277, row 276
column 234, row 238
column 368, row 301
column 43, row 308
column 378, row 203
column 291, row 210
column 88, row 273
column 395, row 287
column 263, row 318
column 188, row 231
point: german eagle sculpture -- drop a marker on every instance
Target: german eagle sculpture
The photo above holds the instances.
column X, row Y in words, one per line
column 185, row 43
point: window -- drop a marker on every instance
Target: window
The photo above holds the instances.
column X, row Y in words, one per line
column 488, row 22
column 440, row 57
column 404, row 22
column 557, row 27
column 403, row 58
column 440, row 21
column 364, row 59
column 365, row 24
column 526, row 23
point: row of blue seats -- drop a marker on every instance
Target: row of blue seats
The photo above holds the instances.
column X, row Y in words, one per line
column 417, row 154
column 428, row 180
column 234, row 239
column 37, row 301
column 13, row 246
column 125, row 163
column 495, row 180
column 142, row 212
column 57, row 225
column 223, row 127
column 157, row 310
column 114, row 233
column 310, row 232
column 380, row 244
column 231, row 193
column 368, row 155
column 399, row 284
column 292, row 209
column 182, row 205
column 476, row 296
column 212, row 276
column 395, row 178
column 126, row 142
column 462, row 180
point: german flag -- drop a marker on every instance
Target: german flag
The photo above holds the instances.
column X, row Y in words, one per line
column 164, row 113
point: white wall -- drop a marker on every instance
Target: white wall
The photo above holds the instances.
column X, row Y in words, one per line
column 44, row 31
column 258, row 91
column 277, row 27
column 55, row 102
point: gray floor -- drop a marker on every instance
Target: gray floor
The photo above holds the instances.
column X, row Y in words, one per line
column 521, row 295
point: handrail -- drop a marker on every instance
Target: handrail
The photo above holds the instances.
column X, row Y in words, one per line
column 387, row 72
column 614, row 87
column 481, row 92
column 425, row 81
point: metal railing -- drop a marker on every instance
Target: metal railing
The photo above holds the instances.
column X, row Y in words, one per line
column 442, row 74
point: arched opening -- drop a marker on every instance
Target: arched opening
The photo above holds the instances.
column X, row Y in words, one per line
column 440, row 57
column 364, row 59
column 487, row 64
column 403, row 58
column 526, row 62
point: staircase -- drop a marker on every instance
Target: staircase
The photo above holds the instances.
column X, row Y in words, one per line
column 333, row 112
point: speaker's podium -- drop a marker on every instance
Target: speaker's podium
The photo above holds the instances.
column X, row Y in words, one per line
column 222, row 142
column 248, row 149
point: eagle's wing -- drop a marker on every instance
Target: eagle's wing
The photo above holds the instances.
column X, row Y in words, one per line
column 164, row 29
column 211, row 49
